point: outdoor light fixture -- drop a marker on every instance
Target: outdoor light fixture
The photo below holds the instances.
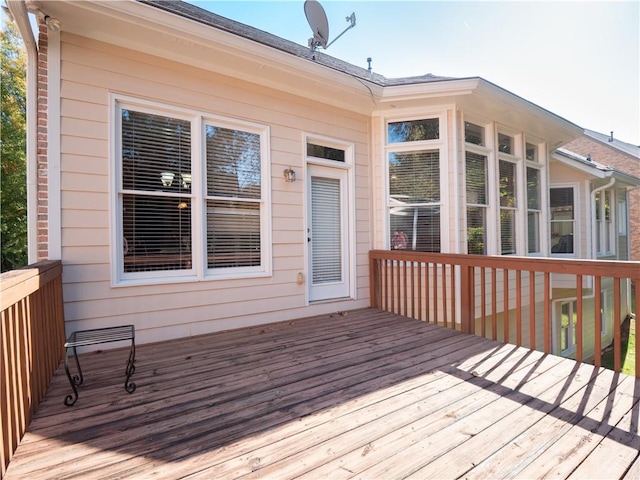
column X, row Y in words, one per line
column 289, row 175
column 167, row 178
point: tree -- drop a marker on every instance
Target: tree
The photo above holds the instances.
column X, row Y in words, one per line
column 13, row 158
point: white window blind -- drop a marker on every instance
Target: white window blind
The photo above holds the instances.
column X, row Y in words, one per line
column 326, row 235
column 533, row 210
column 508, row 206
column 156, row 202
column 414, row 200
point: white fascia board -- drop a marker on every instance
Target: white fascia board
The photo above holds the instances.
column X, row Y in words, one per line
column 439, row 88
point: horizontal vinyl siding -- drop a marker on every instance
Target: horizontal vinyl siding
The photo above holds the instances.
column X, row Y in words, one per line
column 91, row 71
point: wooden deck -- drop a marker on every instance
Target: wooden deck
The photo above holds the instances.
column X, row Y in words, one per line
column 364, row 394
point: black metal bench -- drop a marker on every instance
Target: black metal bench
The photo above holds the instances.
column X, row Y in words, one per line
column 83, row 338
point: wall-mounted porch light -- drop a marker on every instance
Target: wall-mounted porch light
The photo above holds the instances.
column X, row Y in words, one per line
column 289, row 175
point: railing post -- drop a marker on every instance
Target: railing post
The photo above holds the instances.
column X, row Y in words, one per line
column 373, row 281
column 466, row 298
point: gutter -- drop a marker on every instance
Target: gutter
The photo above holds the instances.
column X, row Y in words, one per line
column 19, row 12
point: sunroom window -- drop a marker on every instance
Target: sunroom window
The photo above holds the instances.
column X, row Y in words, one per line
column 508, row 206
column 474, row 134
column 477, row 203
column 534, row 210
column 413, row 130
column 167, row 191
column 414, row 200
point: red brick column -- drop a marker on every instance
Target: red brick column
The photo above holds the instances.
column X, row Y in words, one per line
column 42, row 149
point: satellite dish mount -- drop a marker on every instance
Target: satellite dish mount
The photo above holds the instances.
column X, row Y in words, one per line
column 320, row 26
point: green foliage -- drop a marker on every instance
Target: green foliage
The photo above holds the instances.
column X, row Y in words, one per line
column 13, row 164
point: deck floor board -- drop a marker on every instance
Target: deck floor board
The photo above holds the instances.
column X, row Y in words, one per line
column 362, row 394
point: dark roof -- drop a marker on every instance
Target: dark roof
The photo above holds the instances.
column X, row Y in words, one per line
column 197, row 14
column 628, row 148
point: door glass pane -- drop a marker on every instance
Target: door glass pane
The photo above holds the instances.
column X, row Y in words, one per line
column 328, row 153
column 326, row 232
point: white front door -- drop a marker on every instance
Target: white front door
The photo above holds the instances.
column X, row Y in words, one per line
column 328, row 233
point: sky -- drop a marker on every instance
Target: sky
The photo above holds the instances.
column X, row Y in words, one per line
column 578, row 59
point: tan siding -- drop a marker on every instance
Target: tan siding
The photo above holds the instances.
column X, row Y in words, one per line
column 91, row 71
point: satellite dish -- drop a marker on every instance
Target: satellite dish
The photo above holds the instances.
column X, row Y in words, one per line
column 320, row 26
column 318, row 22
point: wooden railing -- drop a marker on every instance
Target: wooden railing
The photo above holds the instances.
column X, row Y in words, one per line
column 511, row 298
column 32, row 342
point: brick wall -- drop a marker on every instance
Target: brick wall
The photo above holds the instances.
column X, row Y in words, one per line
column 611, row 156
column 42, row 147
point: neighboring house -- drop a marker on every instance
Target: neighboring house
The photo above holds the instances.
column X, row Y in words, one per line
column 589, row 207
column 622, row 156
column 195, row 174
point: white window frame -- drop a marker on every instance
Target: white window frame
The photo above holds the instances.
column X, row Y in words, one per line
column 576, row 217
column 541, row 164
column 488, row 207
column 439, row 145
column 199, row 270
column 571, row 344
column 516, row 158
column 606, row 230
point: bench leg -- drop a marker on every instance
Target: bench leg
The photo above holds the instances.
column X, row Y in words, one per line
column 74, row 380
column 131, row 368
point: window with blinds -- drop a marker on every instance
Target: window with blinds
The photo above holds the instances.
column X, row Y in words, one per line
column 561, row 204
column 533, row 210
column 477, row 203
column 233, row 197
column 508, row 206
column 165, row 191
column 155, row 198
column 414, row 200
